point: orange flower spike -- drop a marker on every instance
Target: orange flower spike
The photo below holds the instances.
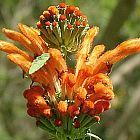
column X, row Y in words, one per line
column 85, row 47
column 33, row 95
column 62, row 107
column 86, row 89
column 16, row 36
column 94, row 55
column 10, row 48
column 120, row 52
column 53, row 10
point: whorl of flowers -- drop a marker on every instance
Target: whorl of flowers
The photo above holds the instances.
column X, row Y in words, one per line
column 65, row 101
column 63, row 27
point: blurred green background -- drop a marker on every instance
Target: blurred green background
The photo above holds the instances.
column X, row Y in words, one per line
column 118, row 20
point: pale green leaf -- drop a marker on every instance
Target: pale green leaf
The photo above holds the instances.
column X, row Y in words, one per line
column 39, row 62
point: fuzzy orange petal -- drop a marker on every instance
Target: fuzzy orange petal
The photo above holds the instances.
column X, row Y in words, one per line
column 98, row 78
column 16, row 36
column 97, row 51
column 81, row 94
column 10, row 48
column 20, row 61
column 120, row 52
column 100, row 106
column 62, row 107
column 85, row 47
column 87, row 106
column 102, row 92
column 69, row 85
column 57, row 60
column 73, row 110
column 38, row 44
column 85, row 72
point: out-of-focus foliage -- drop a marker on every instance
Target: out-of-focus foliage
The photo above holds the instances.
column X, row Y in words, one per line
column 122, row 122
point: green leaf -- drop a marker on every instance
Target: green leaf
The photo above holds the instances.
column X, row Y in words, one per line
column 39, row 62
column 47, row 123
column 44, row 127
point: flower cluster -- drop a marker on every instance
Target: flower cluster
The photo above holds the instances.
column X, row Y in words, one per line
column 63, row 27
column 37, row 105
column 63, row 100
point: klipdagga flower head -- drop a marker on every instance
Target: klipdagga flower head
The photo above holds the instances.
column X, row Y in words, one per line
column 63, row 27
column 63, row 100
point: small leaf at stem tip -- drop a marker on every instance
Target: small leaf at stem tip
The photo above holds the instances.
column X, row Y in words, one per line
column 94, row 136
column 39, row 62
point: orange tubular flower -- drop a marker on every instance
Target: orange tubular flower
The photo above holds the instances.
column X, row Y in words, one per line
column 62, row 107
column 60, row 96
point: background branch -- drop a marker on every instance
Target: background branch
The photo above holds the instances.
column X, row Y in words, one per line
column 120, row 15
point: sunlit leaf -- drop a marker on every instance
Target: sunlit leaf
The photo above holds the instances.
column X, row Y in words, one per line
column 39, row 62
